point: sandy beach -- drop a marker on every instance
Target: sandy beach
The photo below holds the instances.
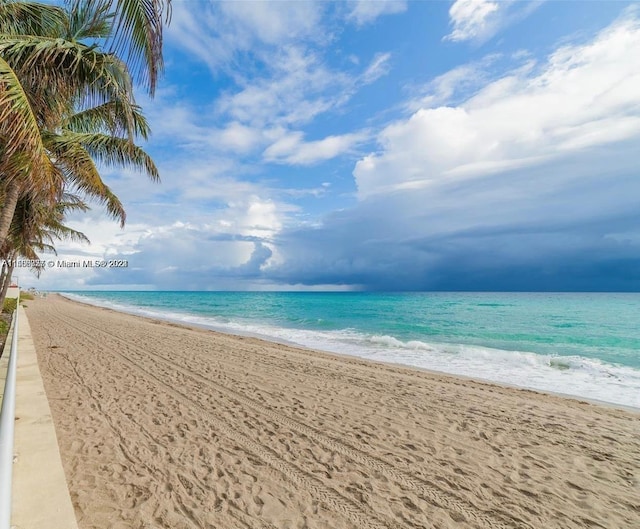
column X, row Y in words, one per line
column 164, row 426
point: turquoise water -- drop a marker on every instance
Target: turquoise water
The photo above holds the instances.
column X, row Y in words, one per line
column 586, row 345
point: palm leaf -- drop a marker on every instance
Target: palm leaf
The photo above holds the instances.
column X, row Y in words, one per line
column 111, row 117
column 64, row 232
column 72, row 202
column 19, row 126
column 89, row 19
column 138, row 34
column 114, row 151
column 31, row 18
column 58, row 73
column 22, row 151
column 81, row 172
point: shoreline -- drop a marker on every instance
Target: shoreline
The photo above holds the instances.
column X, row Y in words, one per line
column 174, row 427
column 276, row 340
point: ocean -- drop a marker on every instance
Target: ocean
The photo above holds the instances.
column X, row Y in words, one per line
column 585, row 345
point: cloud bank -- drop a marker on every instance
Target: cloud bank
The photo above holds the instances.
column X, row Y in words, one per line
column 493, row 177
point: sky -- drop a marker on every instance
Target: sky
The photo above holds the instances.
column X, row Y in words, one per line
column 381, row 145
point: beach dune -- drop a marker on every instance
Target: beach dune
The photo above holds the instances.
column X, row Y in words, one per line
column 166, row 426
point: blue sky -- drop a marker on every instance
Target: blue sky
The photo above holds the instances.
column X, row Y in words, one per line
column 467, row 145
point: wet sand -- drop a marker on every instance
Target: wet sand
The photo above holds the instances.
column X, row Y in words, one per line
column 164, row 426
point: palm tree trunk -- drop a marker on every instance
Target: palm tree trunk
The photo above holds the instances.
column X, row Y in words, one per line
column 5, row 285
column 3, row 273
column 11, row 196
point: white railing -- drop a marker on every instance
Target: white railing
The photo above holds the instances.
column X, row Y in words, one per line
column 7, row 422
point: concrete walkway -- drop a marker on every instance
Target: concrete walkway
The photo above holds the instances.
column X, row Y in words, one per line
column 40, row 494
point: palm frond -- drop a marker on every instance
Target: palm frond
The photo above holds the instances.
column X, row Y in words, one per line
column 138, row 34
column 114, row 207
column 118, row 117
column 58, row 74
column 114, row 151
column 81, row 172
column 19, row 128
column 64, row 232
column 39, row 221
column 22, row 152
column 89, row 19
column 71, row 202
column 31, row 18
column 67, row 105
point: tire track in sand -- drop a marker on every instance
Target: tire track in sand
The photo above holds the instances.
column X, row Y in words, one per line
column 428, row 491
column 122, row 443
column 329, row 496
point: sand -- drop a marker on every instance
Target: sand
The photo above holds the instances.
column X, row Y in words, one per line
column 163, row 426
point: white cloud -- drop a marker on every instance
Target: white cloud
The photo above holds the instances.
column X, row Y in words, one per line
column 457, row 83
column 379, row 67
column 479, row 20
column 366, row 11
column 292, row 149
column 237, row 137
column 107, row 242
column 472, row 19
column 179, row 124
column 189, row 31
column 584, row 96
column 289, row 84
column 236, row 236
column 216, row 32
column 317, row 192
column 274, row 22
column 296, row 88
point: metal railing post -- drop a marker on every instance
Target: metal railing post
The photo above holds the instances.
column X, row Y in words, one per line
column 7, row 423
